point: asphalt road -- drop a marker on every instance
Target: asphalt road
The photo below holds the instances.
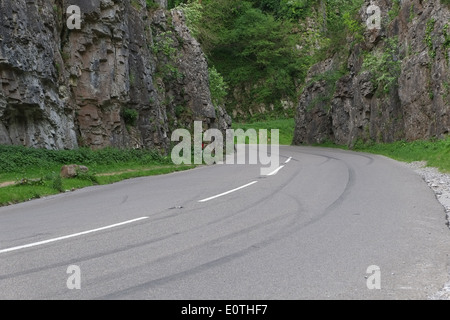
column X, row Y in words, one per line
column 310, row 231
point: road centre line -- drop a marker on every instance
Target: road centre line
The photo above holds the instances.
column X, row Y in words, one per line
column 35, row 244
column 275, row 171
column 247, row 185
column 228, row 192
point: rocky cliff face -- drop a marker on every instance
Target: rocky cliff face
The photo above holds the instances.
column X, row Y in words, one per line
column 127, row 78
column 346, row 100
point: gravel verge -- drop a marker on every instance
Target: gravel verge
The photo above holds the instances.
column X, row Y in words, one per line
column 440, row 183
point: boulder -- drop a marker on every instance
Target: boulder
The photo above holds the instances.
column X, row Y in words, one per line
column 71, row 171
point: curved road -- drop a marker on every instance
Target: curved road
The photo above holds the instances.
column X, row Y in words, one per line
column 310, row 231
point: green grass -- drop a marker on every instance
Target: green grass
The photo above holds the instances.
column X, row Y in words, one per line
column 36, row 171
column 286, row 127
column 142, row 173
column 15, row 194
column 435, row 152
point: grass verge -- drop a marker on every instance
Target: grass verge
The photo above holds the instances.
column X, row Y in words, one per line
column 435, row 152
column 286, row 127
column 35, row 172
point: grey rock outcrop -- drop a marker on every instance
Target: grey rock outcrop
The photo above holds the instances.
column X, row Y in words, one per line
column 34, row 105
column 162, row 3
column 101, row 85
column 418, row 104
column 182, row 75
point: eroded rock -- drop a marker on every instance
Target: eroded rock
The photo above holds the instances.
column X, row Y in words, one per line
column 62, row 88
column 417, row 107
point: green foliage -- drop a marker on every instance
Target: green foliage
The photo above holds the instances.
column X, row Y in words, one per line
column 384, row 65
column 30, row 182
column 57, row 9
column 136, row 4
column 342, row 22
column 354, row 26
column 293, row 10
column 156, row 170
column 179, row 111
column 193, row 13
column 87, row 176
column 58, row 69
column 164, row 47
column 330, row 78
column 446, row 85
column 54, row 184
column 446, row 45
column 174, row 3
column 429, row 39
column 217, row 86
column 264, row 48
column 252, row 49
column 57, row 183
column 285, row 127
column 65, row 56
column 151, row 4
column 132, row 78
column 169, row 72
column 164, row 44
column 395, row 10
column 435, row 152
column 130, row 116
column 17, row 158
column 15, row 194
column 36, row 171
column 411, row 13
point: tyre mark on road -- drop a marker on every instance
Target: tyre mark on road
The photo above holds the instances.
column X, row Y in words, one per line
column 282, row 234
column 285, row 232
column 155, row 240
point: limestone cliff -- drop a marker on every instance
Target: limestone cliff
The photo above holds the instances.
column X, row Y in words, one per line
column 345, row 101
column 127, row 78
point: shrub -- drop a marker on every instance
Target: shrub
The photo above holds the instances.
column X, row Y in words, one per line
column 217, row 86
column 384, row 65
column 130, row 116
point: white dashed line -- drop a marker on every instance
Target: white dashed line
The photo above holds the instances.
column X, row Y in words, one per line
column 228, row 192
column 35, row 244
column 275, row 171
